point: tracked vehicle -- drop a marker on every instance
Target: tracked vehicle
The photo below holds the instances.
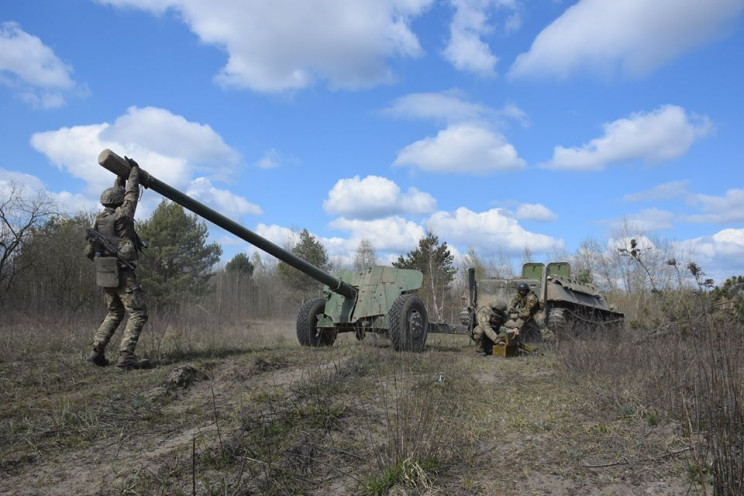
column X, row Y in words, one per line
column 379, row 300
column 567, row 306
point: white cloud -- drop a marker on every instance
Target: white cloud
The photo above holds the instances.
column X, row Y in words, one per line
column 65, row 202
column 720, row 209
column 395, row 235
column 452, row 107
column 389, row 234
column 466, row 49
column 278, row 235
column 462, row 148
column 270, row 160
column 225, row 202
column 32, row 69
column 343, row 250
column 649, row 220
column 75, row 150
column 166, row 145
column 666, row 191
column 448, row 106
column 535, row 211
column 164, row 133
column 513, row 112
column 375, row 197
column 631, row 37
column 488, row 230
column 469, row 144
column 290, row 44
column 643, row 243
column 654, row 137
column 720, row 255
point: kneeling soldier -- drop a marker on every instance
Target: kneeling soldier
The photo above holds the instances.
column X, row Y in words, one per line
column 489, row 319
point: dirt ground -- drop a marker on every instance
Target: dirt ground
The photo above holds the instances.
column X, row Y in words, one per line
column 294, row 420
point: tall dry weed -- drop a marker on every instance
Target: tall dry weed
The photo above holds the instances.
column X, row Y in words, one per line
column 683, row 362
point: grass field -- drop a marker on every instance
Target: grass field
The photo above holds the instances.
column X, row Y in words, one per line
column 245, row 410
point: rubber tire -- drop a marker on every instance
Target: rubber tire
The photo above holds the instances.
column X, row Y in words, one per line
column 557, row 322
column 409, row 324
column 308, row 333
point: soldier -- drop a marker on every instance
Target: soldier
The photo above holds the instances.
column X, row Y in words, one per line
column 522, row 309
column 489, row 319
column 113, row 245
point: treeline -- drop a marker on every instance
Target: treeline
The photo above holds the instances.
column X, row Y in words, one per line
column 43, row 270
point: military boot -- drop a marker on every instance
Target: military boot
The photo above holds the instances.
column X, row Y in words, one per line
column 97, row 357
column 129, row 361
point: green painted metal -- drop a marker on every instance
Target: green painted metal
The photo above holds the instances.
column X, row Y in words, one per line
column 377, row 287
column 354, row 300
column 557, row 290
column 559, row 269
column 532, row 270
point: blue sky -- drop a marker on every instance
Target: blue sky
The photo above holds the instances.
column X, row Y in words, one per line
column 497, row 124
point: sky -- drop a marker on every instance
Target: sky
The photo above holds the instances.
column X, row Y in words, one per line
column 498, row 125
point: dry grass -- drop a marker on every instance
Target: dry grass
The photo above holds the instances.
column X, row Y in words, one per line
column 242, row 409
column 682, row 363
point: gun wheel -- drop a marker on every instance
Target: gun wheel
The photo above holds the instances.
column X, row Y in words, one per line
column 308, row 332
column 409, row 323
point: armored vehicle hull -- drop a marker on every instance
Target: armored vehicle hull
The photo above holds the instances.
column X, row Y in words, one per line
column 567, row 306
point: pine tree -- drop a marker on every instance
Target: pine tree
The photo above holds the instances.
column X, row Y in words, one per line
column 240, row 265
column 435, row 261
column 311, row 250
column 177, row 264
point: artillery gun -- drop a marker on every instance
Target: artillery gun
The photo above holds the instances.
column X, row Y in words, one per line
column 378, row 300
column 566, row 304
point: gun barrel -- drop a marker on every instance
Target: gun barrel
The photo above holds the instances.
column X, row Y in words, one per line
column 120, row 167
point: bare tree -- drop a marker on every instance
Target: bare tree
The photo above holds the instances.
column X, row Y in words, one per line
column 56, row 275
column 587, row 265
column 365, row 256
column 527, row 256
column 473, row 260
column 20, row 213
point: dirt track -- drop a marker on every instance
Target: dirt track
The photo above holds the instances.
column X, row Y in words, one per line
column 493, row 426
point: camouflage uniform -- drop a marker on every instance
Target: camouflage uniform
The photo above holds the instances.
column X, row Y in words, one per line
column 128, row 296
column 522, row 310
column 488, row 318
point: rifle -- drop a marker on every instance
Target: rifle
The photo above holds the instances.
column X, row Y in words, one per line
column 96, row 237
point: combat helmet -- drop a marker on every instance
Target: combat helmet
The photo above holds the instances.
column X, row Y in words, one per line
column 112, row 197
column 523, row 286
column 499, row 305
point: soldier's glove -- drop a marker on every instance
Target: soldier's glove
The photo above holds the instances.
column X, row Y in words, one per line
column 131, row 161
column 144, row 177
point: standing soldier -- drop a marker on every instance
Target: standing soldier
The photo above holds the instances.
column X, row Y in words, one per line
column 522, row 309
column 113, row 246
